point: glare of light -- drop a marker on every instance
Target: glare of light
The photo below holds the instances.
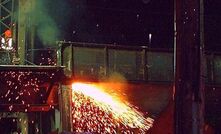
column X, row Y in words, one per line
column 150, row 36
column 121, row 111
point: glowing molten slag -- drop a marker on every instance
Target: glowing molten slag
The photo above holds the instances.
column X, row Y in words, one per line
column 94, row 110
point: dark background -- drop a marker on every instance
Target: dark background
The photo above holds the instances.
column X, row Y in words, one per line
column 128, row 22
column 125, row 22
column 213, row 24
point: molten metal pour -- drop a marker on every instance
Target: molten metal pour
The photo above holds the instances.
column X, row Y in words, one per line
column 94, row 110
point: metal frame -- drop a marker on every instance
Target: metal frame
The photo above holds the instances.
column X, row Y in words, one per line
column 106, row 47
column 30, row 68
column 27, row 108
column 50, row 84
column 6, row 14
column 146, row 50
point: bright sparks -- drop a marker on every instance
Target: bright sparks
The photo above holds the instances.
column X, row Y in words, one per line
column 94, row 110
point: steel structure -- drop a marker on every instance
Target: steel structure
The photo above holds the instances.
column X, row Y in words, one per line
column 189, row 70
column 7, row 15
column 67, row 57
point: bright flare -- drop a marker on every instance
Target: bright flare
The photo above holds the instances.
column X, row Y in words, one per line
column 121, row 112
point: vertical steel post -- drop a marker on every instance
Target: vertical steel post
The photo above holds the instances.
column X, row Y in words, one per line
column 146, row 68
column 106, row 61
column 65, row 108
column 24, row 19
column 189, row 88
column 21, row 30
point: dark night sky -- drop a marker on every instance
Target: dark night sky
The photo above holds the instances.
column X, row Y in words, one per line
column 213, row 24
column 128, row 22
column 124, row 22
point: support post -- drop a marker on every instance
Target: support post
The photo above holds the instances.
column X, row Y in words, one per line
column 189, row 84
column 24, row 9
column 65, row 107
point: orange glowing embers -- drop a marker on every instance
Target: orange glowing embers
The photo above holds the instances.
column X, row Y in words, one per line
column 94, row 110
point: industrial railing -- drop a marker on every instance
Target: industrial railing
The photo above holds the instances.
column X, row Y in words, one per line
column 137, row 63
column 95, row 61
column 5, row 57
column 99, row 61
column 42, row 57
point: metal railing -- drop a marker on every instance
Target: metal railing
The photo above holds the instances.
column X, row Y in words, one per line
column 99, row 61
column 96, row 61
column 41, row 57
column 6, row 57
column 137, row 63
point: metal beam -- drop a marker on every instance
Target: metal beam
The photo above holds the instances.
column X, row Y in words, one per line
column 30, row 68
column 7, row 15
column 189, row 86
column 65, row 98
column 22, row 28
column 48, row 92
column 27, row 108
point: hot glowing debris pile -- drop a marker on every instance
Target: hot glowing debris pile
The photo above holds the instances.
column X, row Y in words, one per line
column 94, row 110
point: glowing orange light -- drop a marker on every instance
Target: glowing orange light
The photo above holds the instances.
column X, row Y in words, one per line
column 8, row 33
column 122, row 112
